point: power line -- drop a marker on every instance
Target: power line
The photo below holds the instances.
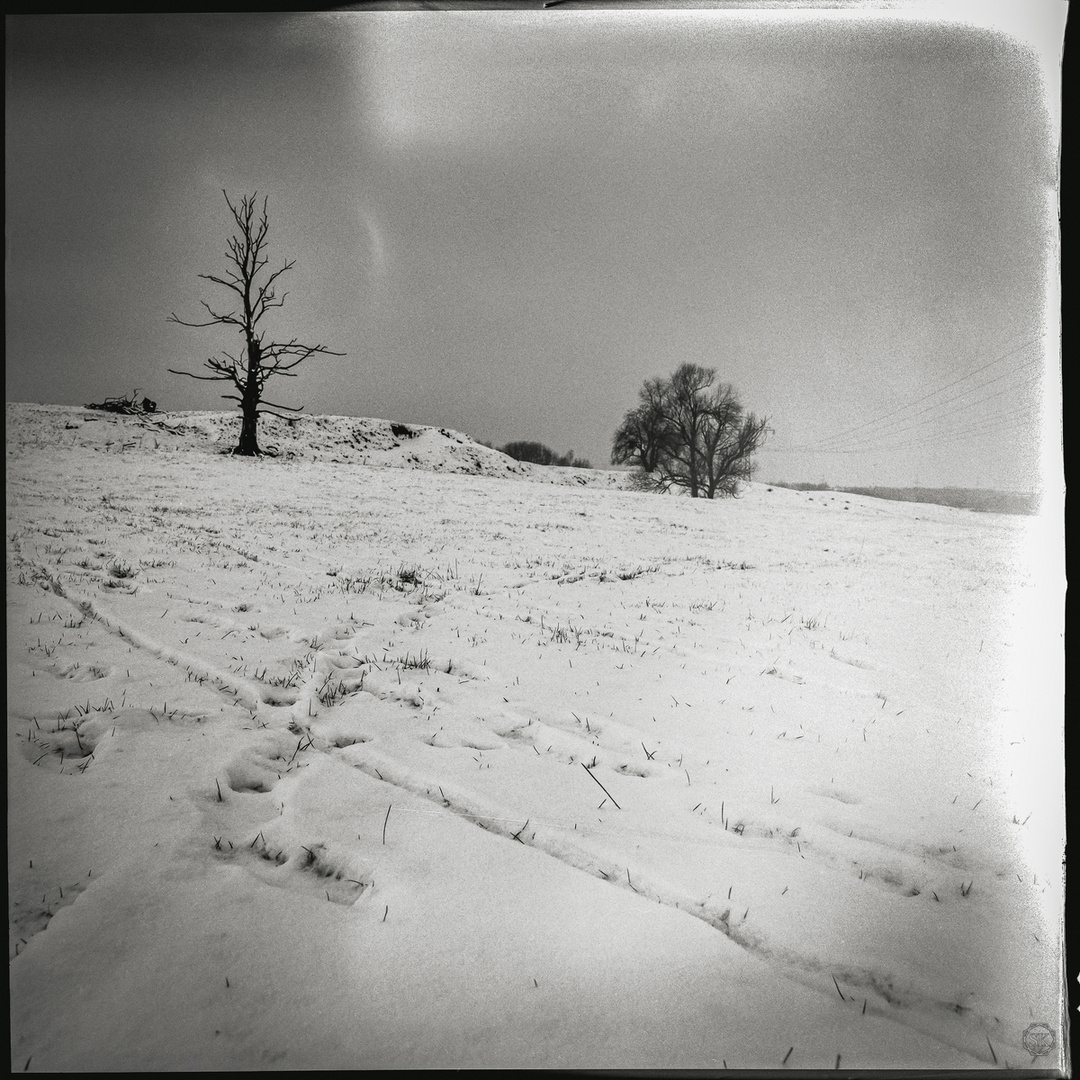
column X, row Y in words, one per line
column 945, row 439
column 941, row 389
column 858, row 428
column 1023, row 416
column 927, row 415
column 925, row 419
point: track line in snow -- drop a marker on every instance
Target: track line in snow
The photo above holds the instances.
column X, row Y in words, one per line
column 876, row 990
column 244, row 692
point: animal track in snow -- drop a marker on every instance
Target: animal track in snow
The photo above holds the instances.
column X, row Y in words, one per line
column 29, row 917
column 315, row 868
column 78, row 672
column 54, row 749
column 250, row 777
column 852, row 661
column 68, row 744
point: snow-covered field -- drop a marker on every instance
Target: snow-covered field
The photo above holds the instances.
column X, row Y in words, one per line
column 389, row 756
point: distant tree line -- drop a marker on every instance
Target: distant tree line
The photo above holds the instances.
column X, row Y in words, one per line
column 689, row 432
column 538, row 454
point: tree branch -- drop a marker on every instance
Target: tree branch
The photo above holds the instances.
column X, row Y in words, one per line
column 237, row 286
column 204, row 378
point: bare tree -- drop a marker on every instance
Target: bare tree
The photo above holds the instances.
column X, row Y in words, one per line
column 259, row 360
column 690, row 432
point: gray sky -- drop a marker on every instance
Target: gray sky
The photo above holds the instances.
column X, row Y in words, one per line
column 509, row 219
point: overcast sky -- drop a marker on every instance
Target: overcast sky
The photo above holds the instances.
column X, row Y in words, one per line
column 509, row 219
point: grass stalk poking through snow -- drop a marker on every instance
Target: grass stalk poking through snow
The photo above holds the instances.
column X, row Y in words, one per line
column 602, row 788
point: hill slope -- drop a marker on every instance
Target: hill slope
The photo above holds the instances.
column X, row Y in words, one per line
column 316, row 764
column 341, row 439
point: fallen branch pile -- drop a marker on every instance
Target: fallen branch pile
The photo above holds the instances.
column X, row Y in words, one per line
column 130, row 406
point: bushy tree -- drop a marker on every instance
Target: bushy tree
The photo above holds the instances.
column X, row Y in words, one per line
column 690, row 432
column 533, row 452
column 539, row 454
column 258, row 360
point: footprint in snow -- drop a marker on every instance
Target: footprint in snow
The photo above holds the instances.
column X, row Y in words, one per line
column 246, row 777
column 316, row 868
column 78, row 673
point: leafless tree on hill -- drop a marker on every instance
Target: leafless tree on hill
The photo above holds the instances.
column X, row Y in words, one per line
column 260, row 360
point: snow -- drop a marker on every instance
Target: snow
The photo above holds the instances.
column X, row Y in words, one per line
column 375, row 755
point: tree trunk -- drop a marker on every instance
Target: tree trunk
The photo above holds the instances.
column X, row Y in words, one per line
column 693, row 474
column 248, row 446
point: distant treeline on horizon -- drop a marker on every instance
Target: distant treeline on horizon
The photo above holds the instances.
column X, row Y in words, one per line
column 982, row 500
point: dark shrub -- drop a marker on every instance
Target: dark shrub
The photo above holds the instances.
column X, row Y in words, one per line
column 533, row 452
column 539, row 454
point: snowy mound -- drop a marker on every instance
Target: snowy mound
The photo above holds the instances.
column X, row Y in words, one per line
column 344, row 439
